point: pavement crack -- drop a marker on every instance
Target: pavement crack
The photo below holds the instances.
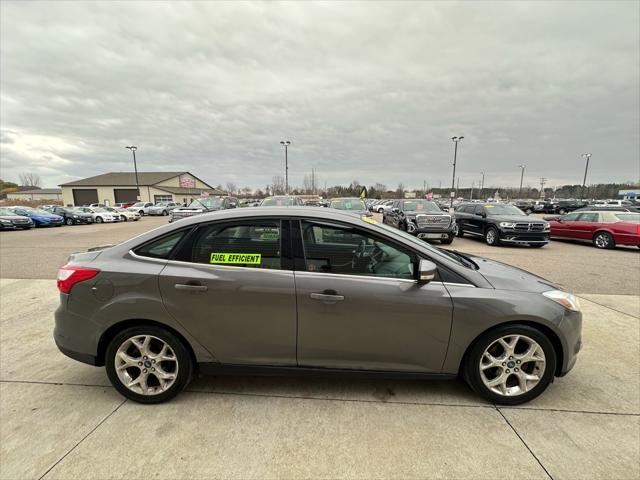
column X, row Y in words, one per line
column 83, row 439
column 606, row 306
column 524, row 443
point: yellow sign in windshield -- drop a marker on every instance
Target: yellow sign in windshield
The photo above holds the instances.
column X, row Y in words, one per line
column 236, row 258
column 368, row 219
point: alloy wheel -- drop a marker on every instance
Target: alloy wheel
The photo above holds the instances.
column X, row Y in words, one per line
column 602, row 240
column 512, row 365
column 491, row 236
column 146, row 365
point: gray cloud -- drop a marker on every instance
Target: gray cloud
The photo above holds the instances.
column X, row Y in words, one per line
column 366, row 91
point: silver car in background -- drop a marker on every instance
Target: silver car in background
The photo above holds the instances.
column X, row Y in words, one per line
column 162, row 208
column 305, row 290
column 141, row 207
column 100, row 215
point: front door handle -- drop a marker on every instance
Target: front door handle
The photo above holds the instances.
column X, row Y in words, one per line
column 191, row 286
column 327, row 298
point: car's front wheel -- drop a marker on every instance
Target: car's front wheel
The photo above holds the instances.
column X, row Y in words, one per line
column 165, row 213
column 492, row 237
column 99, row 220
column 448, row 240
column 69, row 221
column 148, row 364
column 511, row 364
column 123, row 218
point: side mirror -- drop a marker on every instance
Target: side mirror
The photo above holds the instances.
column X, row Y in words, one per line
column 426, row 271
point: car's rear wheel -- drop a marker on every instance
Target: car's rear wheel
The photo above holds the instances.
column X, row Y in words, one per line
column 511, row 364
column 69, row 221
column 99, row 220
column 492, row 237
column 148, row 364
column 603, row 240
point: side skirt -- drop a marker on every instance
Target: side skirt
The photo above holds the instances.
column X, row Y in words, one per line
column 211, row 368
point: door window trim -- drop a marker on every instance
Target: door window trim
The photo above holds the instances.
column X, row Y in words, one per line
column 286, row 259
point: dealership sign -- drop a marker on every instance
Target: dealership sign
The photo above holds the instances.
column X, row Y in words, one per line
column 187, row 181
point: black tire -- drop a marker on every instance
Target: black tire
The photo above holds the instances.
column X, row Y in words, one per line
column 473, row 357
column 448, row 240
column 603, row 240
column 562, row 211
column 69, row 221
column 492, row 237
column 141, row 212
column 185, row 363
column 99, row 220
column 123, row 218
column 164, row 213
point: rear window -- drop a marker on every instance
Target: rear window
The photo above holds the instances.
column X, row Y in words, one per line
column 162, row 247
column 628, row 217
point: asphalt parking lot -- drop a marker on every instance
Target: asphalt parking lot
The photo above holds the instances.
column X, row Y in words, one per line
column 62, row 419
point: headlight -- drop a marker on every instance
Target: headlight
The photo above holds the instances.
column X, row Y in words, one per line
column 507, row 225
column 76, row 216
column 566, row 299
column 2, row 220
column 547, row 227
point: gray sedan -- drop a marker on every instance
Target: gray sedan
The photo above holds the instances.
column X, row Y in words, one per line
column 309, row 290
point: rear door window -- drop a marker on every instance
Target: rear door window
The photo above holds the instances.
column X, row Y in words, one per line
column 249, row 244
column 162, row 247
column 588, row 217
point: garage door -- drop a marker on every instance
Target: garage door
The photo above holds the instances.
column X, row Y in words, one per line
column 125, row 195
column 85, row 196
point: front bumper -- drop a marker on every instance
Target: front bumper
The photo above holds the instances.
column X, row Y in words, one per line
column 571, row 329
column 431, row 233
column 511, row 236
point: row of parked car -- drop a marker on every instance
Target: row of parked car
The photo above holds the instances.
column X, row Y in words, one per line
column 23, row 217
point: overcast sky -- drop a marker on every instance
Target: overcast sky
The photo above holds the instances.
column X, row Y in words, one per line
column 365, row 91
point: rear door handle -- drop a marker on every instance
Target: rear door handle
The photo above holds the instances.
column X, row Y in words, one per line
column 327, row 298
column 192, row 287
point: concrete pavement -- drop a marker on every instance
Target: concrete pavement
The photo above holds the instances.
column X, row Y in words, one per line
column 61, row 419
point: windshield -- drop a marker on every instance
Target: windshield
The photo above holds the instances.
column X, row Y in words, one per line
column 99, row 209
column 278, row 202
column 349, row 204
column 209, row 202
column 502, row 210
column 420, row 205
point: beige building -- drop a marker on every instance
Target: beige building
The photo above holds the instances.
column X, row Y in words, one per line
column 120, row 187
column 37, row 194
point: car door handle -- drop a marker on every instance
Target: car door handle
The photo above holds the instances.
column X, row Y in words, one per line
column 327, row 298
column 193, row 287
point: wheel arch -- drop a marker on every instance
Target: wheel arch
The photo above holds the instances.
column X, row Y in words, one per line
column 110, row 333
column 544, row 329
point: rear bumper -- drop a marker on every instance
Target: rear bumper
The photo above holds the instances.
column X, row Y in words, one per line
column 75, row 336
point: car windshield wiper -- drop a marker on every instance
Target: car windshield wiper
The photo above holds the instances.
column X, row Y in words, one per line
column 462, row 258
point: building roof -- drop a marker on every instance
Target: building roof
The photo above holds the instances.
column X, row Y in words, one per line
column 39, row 190
column 190, row 191
column 124, row 179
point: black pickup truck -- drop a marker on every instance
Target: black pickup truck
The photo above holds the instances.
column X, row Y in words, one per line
column 498, row 223
column 421, row 218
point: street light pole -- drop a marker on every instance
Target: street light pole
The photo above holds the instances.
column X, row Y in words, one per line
column 285, row 144
column 586, row 168
column 455, row 156
column 522, row 167
column 133, row 149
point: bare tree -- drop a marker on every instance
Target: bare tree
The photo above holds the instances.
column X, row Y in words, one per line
column 28, row 179
column 277, row 187
column 400, row 191
column 307, row 184
column 231, row 188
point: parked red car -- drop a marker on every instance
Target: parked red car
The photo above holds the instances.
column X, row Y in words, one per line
column 603, row 229
column 123, row 205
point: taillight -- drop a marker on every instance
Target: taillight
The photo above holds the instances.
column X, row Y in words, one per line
column 69, row 275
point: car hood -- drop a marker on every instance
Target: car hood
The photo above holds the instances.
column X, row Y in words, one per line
column 13, row 217
column 508, row 277
column 516, row 218
column 46, row 217
column 413, row 213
